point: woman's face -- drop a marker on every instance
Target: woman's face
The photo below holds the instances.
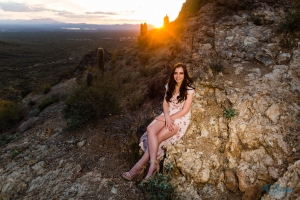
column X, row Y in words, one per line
column 179, row 75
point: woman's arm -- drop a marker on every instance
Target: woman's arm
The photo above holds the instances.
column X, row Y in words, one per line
column 169, row 121
column 186, row 107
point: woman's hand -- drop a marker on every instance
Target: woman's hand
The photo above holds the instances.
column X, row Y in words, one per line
column 169, row 123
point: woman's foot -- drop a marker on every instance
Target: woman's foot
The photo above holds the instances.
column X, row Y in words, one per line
column 153, row 169
column 136, row 170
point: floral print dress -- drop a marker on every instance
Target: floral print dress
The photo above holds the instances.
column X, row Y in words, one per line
column 182, row 122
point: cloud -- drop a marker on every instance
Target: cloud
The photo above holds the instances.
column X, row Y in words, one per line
column 20, row 7
column 102, row 13
column 68, row 14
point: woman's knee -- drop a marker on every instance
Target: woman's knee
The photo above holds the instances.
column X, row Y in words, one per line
column 150, row 130
column 167, row 134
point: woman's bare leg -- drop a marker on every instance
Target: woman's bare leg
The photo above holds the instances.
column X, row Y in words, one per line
column 156, row 134
column 142, row 162
column 157, row 126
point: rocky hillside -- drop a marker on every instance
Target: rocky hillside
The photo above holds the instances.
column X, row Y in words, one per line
column 250, row 71
column 243, row 142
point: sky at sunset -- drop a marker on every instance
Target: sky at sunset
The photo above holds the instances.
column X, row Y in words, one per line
column 92, row 11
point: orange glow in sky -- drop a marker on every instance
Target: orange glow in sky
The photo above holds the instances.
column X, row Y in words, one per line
column 92, row 11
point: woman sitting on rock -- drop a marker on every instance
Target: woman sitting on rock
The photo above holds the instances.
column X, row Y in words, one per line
column 168, row 127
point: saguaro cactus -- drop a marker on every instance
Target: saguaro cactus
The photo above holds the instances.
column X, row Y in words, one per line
column 89, row 79
column 166, row 21
column 144, row 29
column 100, row 59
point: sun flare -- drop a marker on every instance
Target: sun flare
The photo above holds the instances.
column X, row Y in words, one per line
column 156, row 11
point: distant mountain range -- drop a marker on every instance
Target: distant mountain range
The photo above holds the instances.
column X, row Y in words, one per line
column 50, row 24
column 31, row 21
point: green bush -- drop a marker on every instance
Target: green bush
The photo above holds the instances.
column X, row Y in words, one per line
column 14, row 152
column 115, row 56
column 86, row 103
column 288, row 41
column 144, row 58
column 7, row 138
column 158, row 186
column 228, row 113
column 10, row 113
column 135, row 100
column 33, row 113
column 46, row 88
column 128, row 60
column 47, row 102
column 291, row 22
column 147, row 71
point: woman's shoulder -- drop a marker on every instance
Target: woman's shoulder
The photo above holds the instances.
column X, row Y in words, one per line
column 190, row 89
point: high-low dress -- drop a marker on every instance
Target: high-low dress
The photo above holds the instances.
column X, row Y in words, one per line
column 182, row 122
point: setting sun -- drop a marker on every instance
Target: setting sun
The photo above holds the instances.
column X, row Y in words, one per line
column 153, row 12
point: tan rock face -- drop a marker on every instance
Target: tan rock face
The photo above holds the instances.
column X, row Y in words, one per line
column 262, row 84
column 231, row 181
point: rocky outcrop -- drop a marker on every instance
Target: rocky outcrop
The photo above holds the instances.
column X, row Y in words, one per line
column 287, row 187
column 260, row 80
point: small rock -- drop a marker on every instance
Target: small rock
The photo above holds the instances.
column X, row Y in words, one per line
column 114, row 190
column 71, row 141
column 273, row 113
column 221, row 187
column 81, row 144
column 253, row 192
column 231, row 181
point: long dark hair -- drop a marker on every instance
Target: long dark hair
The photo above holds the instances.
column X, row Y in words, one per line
column 185, row 85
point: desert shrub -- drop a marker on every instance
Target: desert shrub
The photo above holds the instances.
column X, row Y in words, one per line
column 144, row 58
column 6, row 138
column 33, row 113
column 158, row 186
column 288, row 41
column 115, row 56
column 147, row 71
column 229, row 113
column 290, row 22
column 86, row 103
column 135, row 100
column 48, row 101
column 46, row 88
column 10, row 113
column 216, row 67
column 128, row 60
column 14, row 152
